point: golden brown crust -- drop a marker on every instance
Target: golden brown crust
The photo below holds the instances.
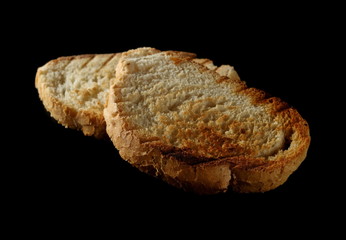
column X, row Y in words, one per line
column 90, row 122
column 184, row 169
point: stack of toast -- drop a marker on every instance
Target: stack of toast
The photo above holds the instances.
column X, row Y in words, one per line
column 174, row 116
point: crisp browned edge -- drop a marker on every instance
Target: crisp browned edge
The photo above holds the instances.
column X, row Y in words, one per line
column 90, row 122
column 240, row 174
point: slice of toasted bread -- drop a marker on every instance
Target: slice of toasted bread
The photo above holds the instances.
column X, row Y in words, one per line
column 201, row 130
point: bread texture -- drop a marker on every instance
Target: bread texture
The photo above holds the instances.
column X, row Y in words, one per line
column 199, row 127
column 74, row 89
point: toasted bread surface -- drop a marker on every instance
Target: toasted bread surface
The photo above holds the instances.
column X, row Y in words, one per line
column 200, row 128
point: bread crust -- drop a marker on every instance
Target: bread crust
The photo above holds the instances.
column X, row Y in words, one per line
column 190, row 172
column 90, row 122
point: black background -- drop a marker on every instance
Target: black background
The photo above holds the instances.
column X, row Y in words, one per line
column 58, row 173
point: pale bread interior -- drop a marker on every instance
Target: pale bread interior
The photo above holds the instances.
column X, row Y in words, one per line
column 81, row 83
column 183, row 106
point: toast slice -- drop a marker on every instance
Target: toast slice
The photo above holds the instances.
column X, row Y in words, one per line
column 203, row 131
column 74, row 89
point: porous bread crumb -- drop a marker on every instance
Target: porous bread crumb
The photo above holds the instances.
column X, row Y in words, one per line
column 183, row 106
column 81, row 83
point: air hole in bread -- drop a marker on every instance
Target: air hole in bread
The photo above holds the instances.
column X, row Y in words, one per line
column 288, row 140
